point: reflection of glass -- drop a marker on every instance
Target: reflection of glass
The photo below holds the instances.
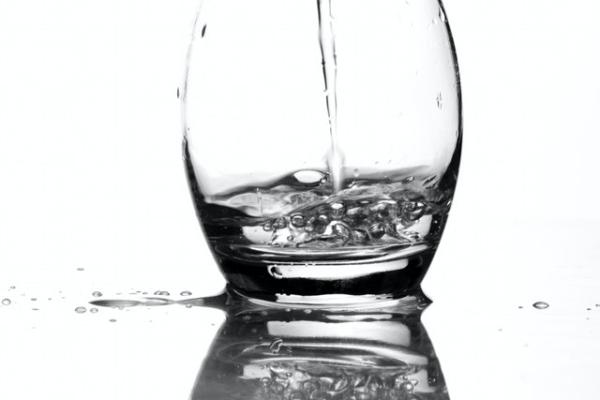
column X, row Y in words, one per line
column 293, row 354
column 322, row 142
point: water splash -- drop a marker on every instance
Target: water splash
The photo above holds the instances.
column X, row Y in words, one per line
column 335, row 158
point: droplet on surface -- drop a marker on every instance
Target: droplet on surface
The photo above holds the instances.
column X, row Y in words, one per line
column 97, row 294
column 80, row 310
column 185, row 293
column 541, row 305
column 93, row 310
column 275, row 346
column 162, row 293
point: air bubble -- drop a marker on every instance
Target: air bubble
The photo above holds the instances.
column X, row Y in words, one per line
column 93, row 310
column 356, row 173
column 541, row 305
column 112, row 320
column 185, row 293
column 275, row 346
column 377, row 231
column 298, row 221
column 296, row 395
column 162, row 293
column 97, row 294
column 341, row 230
column 6, row 302
column 412, row 210
column 268, row 227
column 442, row 15
column 438, row 101
column 320, row 395
column 360, row 236
column 80, row 310
column 309, row 176
column 280, row 223
column 337, row 210
column 275, row 272
column 310, row 386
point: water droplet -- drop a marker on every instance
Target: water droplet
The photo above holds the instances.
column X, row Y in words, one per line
column 541, row 305
column 80, row 310
column 97, row 294
column 93, row 310
column 6, row 302
column 275, row 346
column 438, row 101
column 185, row 293
column 162, row 293
column 298, row 221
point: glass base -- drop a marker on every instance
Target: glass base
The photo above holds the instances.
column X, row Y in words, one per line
column 328, row 284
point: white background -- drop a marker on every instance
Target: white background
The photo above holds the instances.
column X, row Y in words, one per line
column 91, row 177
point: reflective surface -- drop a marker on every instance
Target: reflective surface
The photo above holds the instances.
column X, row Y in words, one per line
column 374, row 353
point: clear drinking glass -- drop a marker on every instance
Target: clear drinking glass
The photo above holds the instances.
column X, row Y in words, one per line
column 322, row 143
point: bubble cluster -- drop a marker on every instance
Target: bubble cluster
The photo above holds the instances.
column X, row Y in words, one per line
column 350, row 222
column 294, row 382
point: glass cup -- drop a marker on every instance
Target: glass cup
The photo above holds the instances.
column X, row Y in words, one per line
column 322, row 143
